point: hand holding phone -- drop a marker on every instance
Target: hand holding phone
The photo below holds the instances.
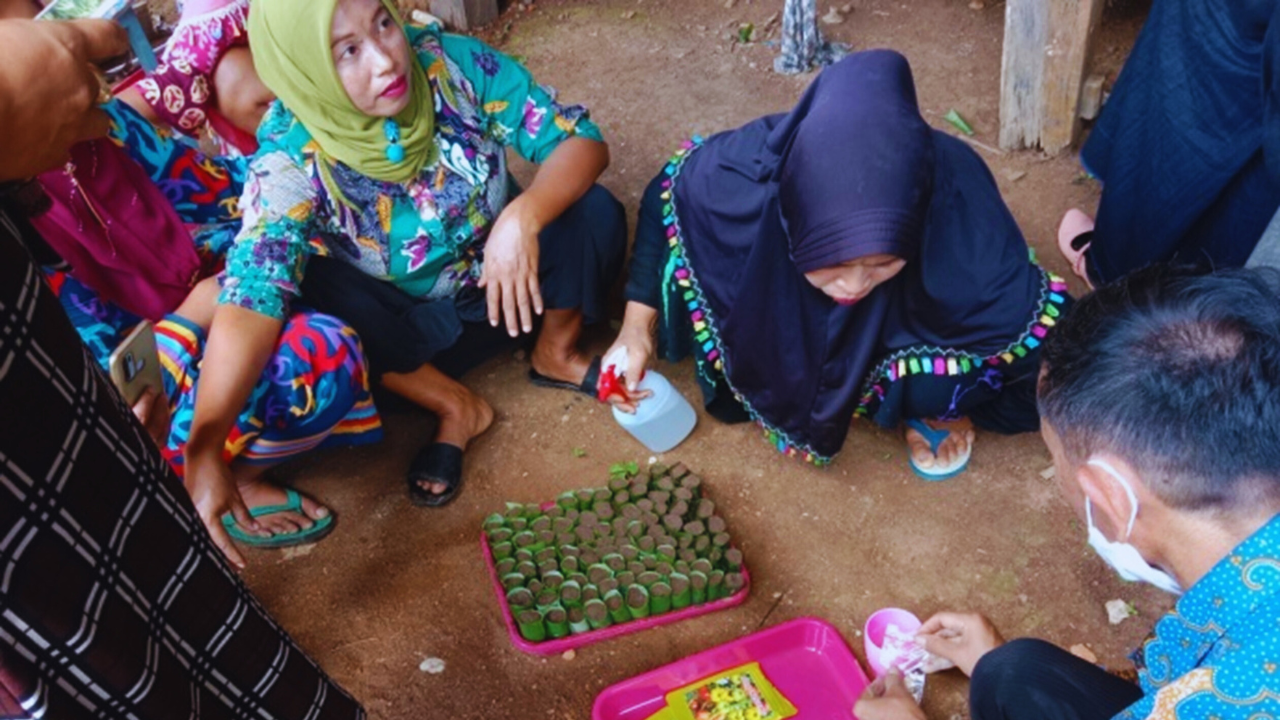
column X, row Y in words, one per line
column 51, row 90
column 135, row 364
column 121, row 11
column 152, row 410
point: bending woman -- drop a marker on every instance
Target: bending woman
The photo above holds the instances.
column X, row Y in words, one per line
column 843, row 259
column 386, row 153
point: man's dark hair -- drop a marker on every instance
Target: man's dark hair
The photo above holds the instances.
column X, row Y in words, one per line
column 1178, row 372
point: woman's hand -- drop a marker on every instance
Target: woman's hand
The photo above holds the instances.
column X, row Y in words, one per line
column 637, row 336
column 962, row 638
column 215, row 494
column 51, row 89
column 239, row 345
column 152, row 410
column 510, row 272
column 888, row 699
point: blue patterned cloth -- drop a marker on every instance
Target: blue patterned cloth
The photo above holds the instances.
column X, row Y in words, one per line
column 1217, row 653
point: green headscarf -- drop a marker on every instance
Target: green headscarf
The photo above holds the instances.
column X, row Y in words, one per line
column 290, row 42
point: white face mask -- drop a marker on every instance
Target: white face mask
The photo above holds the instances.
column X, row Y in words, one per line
column 1121, row 556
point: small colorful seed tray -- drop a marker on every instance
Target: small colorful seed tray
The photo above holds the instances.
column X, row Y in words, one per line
column 645, row 550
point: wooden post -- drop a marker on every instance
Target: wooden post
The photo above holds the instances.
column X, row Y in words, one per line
column 1046, row 51
column 465, row 14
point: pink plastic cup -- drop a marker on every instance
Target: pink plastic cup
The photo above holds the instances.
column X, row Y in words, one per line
column 873, row 633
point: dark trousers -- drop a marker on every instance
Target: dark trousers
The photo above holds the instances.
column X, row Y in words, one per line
column 1035, row 680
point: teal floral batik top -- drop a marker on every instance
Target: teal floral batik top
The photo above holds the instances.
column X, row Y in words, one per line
column 427, row 235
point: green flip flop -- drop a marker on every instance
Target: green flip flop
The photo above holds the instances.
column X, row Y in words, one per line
column 319, row 528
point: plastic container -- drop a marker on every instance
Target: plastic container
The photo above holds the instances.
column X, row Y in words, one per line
column 806, row 659
column 662, row 421
column 555, row 647
column 873, row 633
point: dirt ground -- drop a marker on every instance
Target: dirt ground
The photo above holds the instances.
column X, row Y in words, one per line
column 397, row 584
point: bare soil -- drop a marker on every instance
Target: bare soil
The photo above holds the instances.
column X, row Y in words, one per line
column 395, row 584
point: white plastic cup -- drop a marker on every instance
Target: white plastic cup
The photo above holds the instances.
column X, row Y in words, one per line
column 661, row 421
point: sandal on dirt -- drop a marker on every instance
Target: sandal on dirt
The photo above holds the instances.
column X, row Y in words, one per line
column 1074, row 248
column 436, row 463
column 590, row 383
column 935, row 439
column 293, row 503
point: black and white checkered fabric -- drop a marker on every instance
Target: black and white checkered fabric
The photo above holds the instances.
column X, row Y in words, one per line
column 114, row 603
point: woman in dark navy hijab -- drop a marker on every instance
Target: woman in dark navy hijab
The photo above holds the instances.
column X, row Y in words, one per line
column 843, row 259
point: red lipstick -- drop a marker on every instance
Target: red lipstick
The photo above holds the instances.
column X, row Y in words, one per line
column 397, row 88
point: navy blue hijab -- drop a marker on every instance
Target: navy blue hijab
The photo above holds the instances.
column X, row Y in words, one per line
column 852, row 170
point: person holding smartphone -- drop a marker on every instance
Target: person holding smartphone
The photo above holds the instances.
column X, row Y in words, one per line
column 136, row 225
column 105, row 526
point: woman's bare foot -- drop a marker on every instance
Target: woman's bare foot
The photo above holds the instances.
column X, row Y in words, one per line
column 1074, row 224
column 569, row 367
column 464, row 416
column 556, row 354
column 959, row 442
column 257, row 493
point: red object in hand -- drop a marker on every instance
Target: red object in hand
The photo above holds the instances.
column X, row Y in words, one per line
column 609, row 384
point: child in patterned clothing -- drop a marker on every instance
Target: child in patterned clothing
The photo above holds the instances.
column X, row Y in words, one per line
column 206, row 86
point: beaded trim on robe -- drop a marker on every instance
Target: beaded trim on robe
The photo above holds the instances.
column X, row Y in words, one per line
column 927, row 360
column 679, row 280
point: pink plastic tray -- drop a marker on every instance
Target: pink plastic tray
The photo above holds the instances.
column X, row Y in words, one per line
column 553, row 647
column 806, row 659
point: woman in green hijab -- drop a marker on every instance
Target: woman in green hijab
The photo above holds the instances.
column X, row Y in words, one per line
column 380, row 194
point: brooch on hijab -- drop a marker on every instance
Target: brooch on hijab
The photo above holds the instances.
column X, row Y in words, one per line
column 395, row 151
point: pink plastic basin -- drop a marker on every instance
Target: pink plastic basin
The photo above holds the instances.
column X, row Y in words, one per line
column 873, row 633
column 806, row 659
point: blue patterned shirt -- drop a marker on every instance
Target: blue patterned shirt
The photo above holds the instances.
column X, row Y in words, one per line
column 1216, row 655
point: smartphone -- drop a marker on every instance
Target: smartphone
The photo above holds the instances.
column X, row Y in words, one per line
column 135, row 365
column 122, row 11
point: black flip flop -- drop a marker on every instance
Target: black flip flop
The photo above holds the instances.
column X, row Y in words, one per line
column 590, row 383
column 436, row 463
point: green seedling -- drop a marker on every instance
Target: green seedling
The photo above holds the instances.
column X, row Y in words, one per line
column 638, row 602
column 531, row 626
column 617, row 607
column 681, row 594
column 557, row 621
column 597, row 614
column 698, row 587
column 520, row 598
column 578, row 621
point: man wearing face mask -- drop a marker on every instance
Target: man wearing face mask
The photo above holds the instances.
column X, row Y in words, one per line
column 1160, row 402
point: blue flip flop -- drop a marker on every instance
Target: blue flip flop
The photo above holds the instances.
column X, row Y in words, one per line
column 293, row 503
column 935, row 438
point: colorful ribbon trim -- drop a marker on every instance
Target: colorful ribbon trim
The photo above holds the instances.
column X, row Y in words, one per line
column 679, row 282
column 937, row 361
